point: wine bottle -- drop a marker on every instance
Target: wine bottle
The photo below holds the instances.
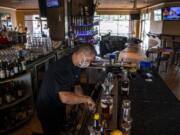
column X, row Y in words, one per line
column 12, row 91
column 96, row 124
column 15, row 67
column 7, row 95
column 7, row 72
column 20, row 69
column 2, row 72
column 19, row 89
column 23, row 63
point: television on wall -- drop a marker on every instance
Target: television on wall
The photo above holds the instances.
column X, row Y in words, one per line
column 157, row 15
column 52, row 3
column 171, row 13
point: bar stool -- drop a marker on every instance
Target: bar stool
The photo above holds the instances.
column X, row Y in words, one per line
column 162, row 55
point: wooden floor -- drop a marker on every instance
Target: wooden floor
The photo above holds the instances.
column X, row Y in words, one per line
column 172, row 79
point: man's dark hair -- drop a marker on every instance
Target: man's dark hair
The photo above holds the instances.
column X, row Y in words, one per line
column 86, row 48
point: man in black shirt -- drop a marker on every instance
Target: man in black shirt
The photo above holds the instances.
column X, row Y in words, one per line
column 56, row 90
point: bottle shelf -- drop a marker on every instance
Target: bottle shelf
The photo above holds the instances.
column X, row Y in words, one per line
column 87, row 25
column 13, row 77
column 6, row 106
column 16, row 125
column 86, row 35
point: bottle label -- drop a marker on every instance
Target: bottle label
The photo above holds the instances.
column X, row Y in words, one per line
column 15, row 70
column 2, row 74
column 23, row 67
column 19, row 93
column 124, row 89
column 12, row 73
column 8, row 98
column 7, row 73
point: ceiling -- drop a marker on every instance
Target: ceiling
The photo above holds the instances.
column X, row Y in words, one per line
column 20, row 4
column 103, row 4
column 128, row 4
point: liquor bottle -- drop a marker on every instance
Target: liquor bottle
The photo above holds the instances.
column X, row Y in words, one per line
column 103, row 126
column 23, row 63
column 96, row 124
column 20, row 69
column 81, row 10
column 106, row 106
column 7, row 72
column 12, row 91
column 11, row 69
column 8, row 95
column 19, row 88
column 15, row 66
column 125, row 85
column 2, row 72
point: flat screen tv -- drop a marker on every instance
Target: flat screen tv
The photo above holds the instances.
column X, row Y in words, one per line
column 171, row 13
column 52, row 3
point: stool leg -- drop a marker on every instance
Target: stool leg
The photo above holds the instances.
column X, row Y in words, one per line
column 167, row 66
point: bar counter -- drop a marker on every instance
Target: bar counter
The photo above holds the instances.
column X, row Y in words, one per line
column 154, row 108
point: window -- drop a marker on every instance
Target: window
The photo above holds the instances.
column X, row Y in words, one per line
column 36, row 25
column 158, row 15
column 115, row 24
column 145, row 28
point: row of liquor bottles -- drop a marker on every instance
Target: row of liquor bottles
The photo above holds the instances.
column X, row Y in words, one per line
column 12, row 91
column 100, row 121
column 11, row 68
column 11, row 64
column 82, row 21
column 125, row 109
column 100, row 125
column 12, row 117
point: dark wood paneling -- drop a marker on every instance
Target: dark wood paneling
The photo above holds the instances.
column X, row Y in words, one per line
column 55, row 17
column 76, row 6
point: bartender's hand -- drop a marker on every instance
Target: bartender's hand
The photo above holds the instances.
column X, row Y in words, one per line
column 91, row 104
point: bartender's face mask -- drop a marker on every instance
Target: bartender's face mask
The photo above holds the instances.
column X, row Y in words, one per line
column 84, row 63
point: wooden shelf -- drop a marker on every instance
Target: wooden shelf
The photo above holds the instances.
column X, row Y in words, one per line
column 12, row 78
column 15, row 103
column 17, row 125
